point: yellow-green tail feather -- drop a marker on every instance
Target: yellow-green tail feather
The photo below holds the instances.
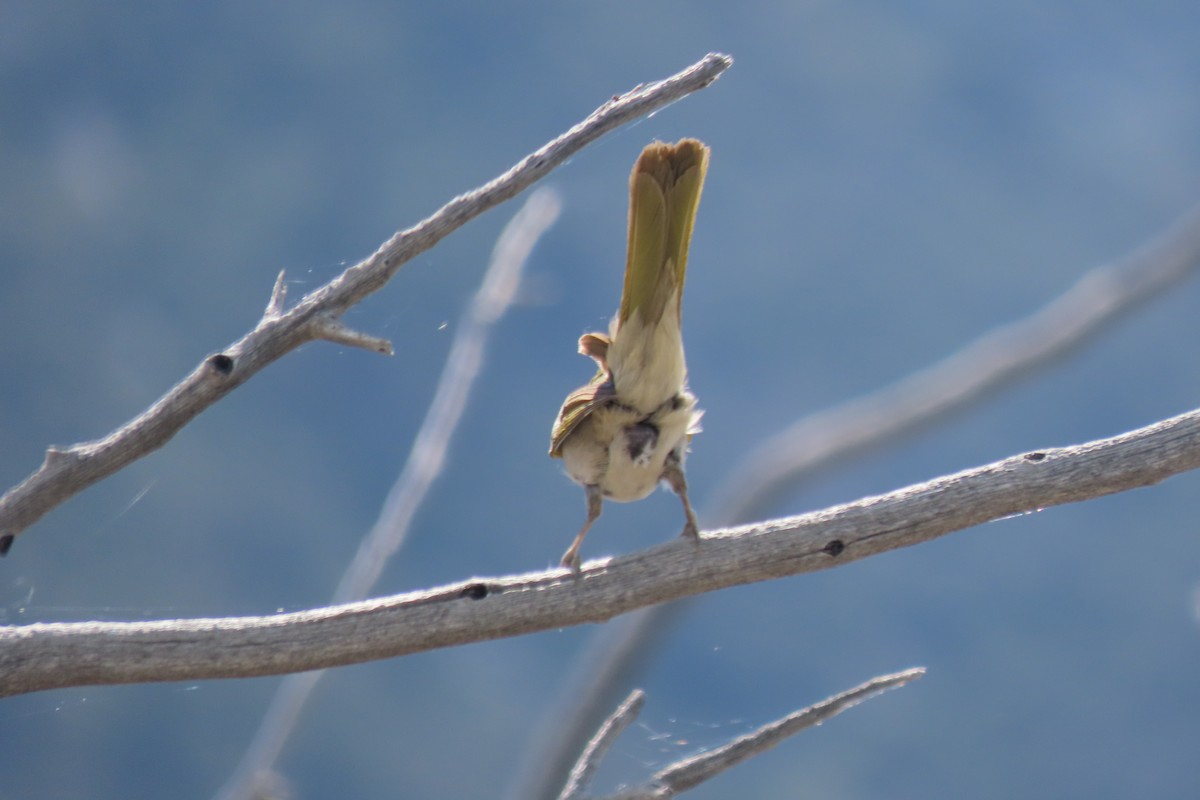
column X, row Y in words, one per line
column 664, row 194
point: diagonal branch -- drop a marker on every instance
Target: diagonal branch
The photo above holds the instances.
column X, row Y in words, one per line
column 690, row 772
column 67, row 471
column 54, row 655
column 597, row 747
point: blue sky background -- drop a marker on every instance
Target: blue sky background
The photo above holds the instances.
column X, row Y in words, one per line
column 888, row 182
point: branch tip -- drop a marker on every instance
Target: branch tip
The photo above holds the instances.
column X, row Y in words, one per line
column 721, row 60
column 55, row 455
column 278, row 298
column 333, row 330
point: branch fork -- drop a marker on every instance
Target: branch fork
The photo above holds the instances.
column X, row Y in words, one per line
column 68, row 470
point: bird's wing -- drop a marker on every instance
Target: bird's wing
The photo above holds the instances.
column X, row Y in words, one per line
column 579, row 404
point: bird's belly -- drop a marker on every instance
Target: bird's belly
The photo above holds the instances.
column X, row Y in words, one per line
column 611, row 450
column 626, row 480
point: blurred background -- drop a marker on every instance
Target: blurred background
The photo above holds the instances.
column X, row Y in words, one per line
column 888, row 182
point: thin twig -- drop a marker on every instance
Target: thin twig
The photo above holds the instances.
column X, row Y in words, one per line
column 54, row 655
column 818, row 441
column 66, row 471
column 589, row 759
column 425, row 462
column 609, row 662
column 690, row 772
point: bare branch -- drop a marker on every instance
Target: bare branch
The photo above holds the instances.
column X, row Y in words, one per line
column 590, row 758
column 607, row 664
column 697, row 769
column 425, row 461
column 52, row 655
column 67, row 471
column 694, row 770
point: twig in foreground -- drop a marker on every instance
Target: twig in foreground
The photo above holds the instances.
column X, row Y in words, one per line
column 697, row 769
column 609, row 662
column 68, row 470
column 693, row 770
column 589, row 759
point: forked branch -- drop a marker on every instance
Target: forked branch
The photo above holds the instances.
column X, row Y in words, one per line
column 68, row 470
column 690, row 772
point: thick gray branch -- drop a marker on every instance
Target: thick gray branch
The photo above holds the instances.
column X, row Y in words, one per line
column 51, row 655
column 67, row 471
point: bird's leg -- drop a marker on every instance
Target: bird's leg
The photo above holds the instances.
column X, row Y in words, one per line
column 594, row 502
column 673, row 475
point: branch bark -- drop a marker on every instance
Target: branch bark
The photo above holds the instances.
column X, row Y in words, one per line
column 67, row 471
column 53, row 655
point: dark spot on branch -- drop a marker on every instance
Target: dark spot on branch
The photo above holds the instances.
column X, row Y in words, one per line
column 221, row 363
column 6, row 543
column 1035, row 456
column 476, row 591
column 835, row 547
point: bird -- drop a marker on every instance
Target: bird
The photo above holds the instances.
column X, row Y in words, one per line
column 628, row 429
